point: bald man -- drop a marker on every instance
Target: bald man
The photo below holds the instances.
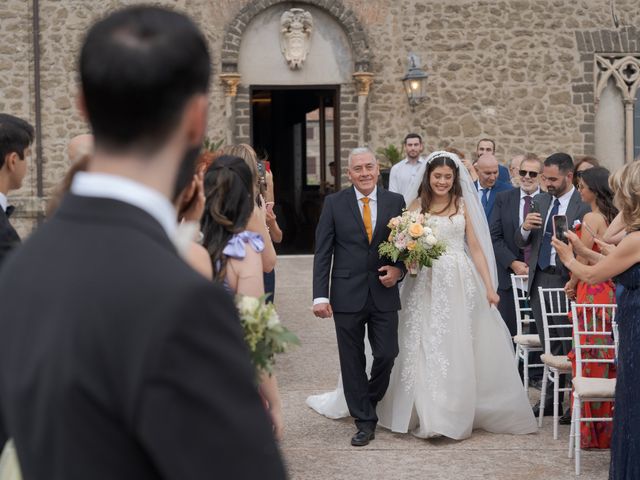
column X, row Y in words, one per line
column 488, row 184
column 79, row 147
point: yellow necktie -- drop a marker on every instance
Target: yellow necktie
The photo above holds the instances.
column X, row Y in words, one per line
column 366, row 216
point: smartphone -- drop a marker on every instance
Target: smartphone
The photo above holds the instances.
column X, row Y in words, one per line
column 534, row 207
column 560, row 228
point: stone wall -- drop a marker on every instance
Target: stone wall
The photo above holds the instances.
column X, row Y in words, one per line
column 514, row 70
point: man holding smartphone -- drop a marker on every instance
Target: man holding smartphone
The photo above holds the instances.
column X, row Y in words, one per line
column 510, row 209
column 536, row 231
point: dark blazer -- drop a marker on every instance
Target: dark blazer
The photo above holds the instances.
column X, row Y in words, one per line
column 504, row 222
column 497, row 188
column 341, row 238
column 575, row 211
column 9, row 238
column 504, row 175
column 117, row 360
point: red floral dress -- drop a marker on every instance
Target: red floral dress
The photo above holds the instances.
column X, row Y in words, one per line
column 596, row 434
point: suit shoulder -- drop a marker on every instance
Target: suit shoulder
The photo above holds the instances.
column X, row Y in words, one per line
column 504, row 187
column 393, row 195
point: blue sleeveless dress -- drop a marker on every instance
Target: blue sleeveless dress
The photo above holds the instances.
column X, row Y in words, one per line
column 625, row 443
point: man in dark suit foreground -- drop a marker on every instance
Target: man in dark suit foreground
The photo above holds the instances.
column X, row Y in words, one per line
column 364, row 288
column 117, row 360
column 16, row 137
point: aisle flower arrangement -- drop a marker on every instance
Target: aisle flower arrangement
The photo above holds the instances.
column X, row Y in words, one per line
column 263, row 332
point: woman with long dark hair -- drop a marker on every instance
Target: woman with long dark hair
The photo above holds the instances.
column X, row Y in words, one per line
column 593, row 185
column 235, row 251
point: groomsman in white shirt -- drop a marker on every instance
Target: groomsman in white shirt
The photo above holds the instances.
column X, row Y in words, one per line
column 406, row 175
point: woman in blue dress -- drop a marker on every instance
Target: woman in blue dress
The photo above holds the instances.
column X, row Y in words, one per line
column 623, row 263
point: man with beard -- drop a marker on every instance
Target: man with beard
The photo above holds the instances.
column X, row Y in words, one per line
column 406, row 175
column 545, row 270
column 117, row 360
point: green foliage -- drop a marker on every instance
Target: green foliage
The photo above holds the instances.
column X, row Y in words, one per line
column 264, row 334
column 210, row 145
column 390, row 154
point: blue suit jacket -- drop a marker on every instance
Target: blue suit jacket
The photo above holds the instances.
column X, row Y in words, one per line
column 497, row 188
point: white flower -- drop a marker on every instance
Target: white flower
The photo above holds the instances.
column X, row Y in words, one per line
column 428, row 231
column 248, row 304
column 431, row 240
column 274, row 320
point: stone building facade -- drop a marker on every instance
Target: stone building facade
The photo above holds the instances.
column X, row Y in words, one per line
column 536, row 75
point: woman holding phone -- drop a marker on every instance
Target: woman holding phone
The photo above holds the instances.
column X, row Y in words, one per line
column 623, row 263
column 593, row 185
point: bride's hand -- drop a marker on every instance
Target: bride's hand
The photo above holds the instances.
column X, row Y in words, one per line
column 493, row 298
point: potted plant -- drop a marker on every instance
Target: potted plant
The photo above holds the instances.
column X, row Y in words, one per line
column 387, row 157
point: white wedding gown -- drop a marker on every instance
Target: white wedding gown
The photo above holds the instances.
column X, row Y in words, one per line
column 455, row 371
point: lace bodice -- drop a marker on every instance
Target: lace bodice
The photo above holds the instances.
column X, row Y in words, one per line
column 451, row 230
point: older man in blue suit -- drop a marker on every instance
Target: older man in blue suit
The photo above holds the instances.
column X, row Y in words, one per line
column 488, row 184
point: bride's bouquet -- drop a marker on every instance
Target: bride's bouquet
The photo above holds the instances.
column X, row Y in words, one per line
column 413, row 240
column 263, row 332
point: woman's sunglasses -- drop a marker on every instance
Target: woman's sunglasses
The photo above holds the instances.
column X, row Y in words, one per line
column 523, row 173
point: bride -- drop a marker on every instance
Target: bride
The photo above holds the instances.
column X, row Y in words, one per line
column 455, row 371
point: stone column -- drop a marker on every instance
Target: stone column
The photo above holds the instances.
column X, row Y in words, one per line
column 363, row 83
column 230, row 82
column 628, row 151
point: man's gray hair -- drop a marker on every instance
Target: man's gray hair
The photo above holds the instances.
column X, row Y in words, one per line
column 360, row 151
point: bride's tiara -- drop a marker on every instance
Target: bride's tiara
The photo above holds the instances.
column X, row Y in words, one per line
column 442, row 153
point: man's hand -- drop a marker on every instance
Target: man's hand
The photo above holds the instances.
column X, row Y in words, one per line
column 389, row 275
column 532, row 221
column 323, row 310
column 519, row 268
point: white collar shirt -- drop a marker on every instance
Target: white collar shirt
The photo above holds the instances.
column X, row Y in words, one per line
column 4, row 203
column 373, row 205
column 102, row 185
column 402, row 177
column 521, row 208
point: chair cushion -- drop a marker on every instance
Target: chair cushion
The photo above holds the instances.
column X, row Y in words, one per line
column 561, row 362
column 587, row 387
column 527, row 340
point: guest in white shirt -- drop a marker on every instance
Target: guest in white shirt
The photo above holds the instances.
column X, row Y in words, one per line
column 405, row 176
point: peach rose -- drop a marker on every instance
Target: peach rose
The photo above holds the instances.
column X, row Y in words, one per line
column 416, row 230
column 412, row 245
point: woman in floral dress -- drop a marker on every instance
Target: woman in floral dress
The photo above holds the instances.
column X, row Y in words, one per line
column 594, row 190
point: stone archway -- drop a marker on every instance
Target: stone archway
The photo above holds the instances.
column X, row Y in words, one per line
column 343, row 15
column 353, row 96
column 308, row 118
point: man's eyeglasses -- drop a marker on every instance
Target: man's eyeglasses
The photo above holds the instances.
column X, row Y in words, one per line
column 523, row 173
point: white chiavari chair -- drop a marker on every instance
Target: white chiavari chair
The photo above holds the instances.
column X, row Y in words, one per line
column 591, row 333
column 554, row 305
column 524, row 341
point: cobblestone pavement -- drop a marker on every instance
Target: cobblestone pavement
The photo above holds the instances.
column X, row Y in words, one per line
column 318, row 448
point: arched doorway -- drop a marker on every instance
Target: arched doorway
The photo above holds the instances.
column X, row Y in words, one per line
column 305, row 117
